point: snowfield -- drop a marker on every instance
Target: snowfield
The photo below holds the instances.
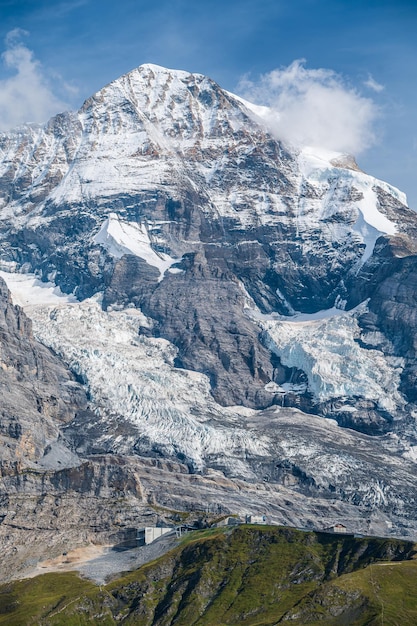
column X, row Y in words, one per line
column 120, row 237
column 28, row 290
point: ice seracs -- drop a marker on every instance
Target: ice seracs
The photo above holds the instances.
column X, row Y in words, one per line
column 133, row 378
column 326, row 348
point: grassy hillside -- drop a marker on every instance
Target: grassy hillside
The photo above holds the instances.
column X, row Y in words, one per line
column 249, row 576
column 381, row 594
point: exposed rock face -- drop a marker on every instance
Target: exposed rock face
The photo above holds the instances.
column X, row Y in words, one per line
column 200, row 311
column 39, row 395
column 389, row 281
column 212, row 266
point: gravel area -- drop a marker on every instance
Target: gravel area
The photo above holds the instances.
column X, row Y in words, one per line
column 115, row 562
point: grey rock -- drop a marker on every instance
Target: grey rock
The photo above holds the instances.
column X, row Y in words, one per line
column 39, row 394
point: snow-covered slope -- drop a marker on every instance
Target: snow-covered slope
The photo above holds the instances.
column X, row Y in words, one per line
column 156, row 127
column 120, row 237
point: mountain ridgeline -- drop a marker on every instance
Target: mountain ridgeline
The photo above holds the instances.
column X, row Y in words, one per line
column 230, row 205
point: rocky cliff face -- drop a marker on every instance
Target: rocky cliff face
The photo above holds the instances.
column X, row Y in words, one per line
column 216, row 295
column 39, row 395
column 49, row 496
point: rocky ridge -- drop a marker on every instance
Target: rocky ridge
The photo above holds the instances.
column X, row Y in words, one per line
column 39, row 395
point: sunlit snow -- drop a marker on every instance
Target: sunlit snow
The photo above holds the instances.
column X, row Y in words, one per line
column 317, row 167
column 164, row 131
column 120, row 237
column 28, row 290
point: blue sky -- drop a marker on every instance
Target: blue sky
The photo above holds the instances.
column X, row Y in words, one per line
column 57, row 53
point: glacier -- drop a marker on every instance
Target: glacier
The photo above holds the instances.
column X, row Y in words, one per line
column 336, row 365
column 134, row 378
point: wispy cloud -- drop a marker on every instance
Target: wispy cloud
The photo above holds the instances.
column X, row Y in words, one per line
column 314, row 107
column 27, row 95
column 59, row 10
column 371, row 83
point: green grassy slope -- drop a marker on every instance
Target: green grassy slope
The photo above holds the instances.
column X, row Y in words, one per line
column 250, row 576
column 381, row 594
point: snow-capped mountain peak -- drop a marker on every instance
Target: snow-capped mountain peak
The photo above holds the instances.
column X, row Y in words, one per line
column 213, row 288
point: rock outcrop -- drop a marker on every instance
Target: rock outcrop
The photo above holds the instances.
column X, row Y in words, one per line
column 38, row 393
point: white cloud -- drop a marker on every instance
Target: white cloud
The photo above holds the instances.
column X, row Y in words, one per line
column 373, row 84
column 314, row 108
column 27, row 95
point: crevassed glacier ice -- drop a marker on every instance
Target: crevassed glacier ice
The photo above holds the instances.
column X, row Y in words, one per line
column 134, row 377
column 336, row 365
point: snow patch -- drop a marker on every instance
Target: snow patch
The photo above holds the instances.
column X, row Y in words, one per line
column 120, row 237
column 28, row 290
column 411, row 454
column 285, row 388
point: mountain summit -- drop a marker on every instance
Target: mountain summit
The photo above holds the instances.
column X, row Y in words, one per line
column 219, row 295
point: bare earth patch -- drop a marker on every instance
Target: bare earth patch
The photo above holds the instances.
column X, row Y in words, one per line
column 69, row 561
